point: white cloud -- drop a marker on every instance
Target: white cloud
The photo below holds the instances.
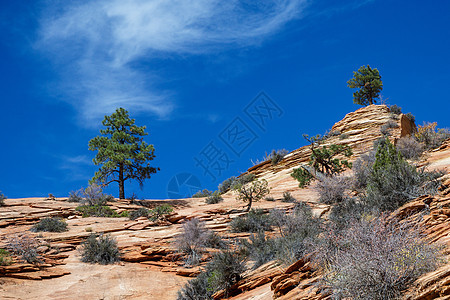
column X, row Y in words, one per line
column 94, row 44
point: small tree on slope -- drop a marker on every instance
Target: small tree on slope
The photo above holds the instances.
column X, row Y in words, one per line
column 122, row 152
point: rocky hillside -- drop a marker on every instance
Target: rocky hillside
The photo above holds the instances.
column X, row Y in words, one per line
column 152, row 268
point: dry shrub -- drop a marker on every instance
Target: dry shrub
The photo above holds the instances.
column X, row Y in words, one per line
column 333, row 189
column 25, row 247
column 214, row 198
column 194, row 239
column 374, row 258
column 410, row 148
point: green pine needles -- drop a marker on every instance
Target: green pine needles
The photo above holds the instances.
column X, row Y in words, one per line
column 369, row 85
column 122, row 152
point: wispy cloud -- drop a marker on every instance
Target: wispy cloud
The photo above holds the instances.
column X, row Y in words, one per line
column 96, row 45
column 75, row 167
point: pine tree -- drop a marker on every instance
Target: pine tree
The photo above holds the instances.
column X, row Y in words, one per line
column 368, row 81
column 122, row 152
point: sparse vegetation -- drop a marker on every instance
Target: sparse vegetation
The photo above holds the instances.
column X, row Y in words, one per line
column 2, row 199
column 344, row 136
column 99, row 211
column 253, row 191
column 287, row 197
column 202, row 193
column 255, row 220
column 160, row 212
column 25, row 247
column 368, row 81
column 140, row 212
column 374, row 259
column 214, row 198
column 102, row 250
column 269, row 198
column 50, row 225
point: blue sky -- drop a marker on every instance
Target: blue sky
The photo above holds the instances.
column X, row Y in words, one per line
column 189, row 69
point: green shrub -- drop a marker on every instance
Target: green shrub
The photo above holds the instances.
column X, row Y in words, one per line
column 287, row 197
column 203, row 193
column 374, row 259
column 213, row 240
column 324, row 158
column 160, row 212
column 225, row 270
column 222, row 272
column 214, row 198
column 5, row 258
column 256, row 220
column 226, row 185
column 303, row 176
column 397, row 110
column 140, row 212
column 2, row 199
column 277, row 155
column 197, row 289
column 409, row 147
column 99, row 211
column 411, row 117
column 393, row 181
column 50, row 225
column 25, row 247
column 102, row 250
column 244, row 179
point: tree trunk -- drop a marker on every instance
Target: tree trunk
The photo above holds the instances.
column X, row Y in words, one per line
column 249, row 205
column 121, row 183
